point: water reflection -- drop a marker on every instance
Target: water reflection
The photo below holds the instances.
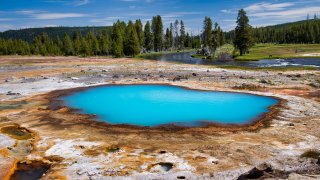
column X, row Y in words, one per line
column 185, row 57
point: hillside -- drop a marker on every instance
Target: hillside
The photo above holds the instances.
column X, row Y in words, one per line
column 306, row 31
column 53, row 32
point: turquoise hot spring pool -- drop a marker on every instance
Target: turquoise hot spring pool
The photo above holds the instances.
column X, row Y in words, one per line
column 154, row 105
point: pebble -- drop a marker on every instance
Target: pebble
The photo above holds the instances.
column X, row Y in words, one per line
column 74, row 78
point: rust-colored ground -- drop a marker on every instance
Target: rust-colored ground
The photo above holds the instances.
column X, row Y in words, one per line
column 212, row 152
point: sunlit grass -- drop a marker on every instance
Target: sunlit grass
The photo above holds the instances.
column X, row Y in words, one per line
column 274, row 51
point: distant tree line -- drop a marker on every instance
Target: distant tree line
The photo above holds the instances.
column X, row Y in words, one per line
column 29, row 34
column 132, row 38
column 301, row 32
column 124, row 39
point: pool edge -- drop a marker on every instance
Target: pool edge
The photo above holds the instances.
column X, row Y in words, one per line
column 262, row 121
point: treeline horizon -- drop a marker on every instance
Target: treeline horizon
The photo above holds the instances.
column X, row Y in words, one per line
column 300, row 32
column 132, row 38
column 125, row 39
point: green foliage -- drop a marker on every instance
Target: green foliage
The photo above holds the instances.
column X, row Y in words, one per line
column 171, row 31
column 167, row 40
column 67, row 46
column 182, row 35
column 93, row 44
column 140, row 33
column 195, row 42
column 176, row 34
column 104, row 43
column 207, row 32
column 117, row 40
column 243, row 33
column 76, row 42
column 14, row 47
column 301, row 32
column 148, row 42
column 157, row 31
column 212, row 38
column 84, row 48
column 29, row 34
column 216, row 37
column 273, row 51
column 131, row 41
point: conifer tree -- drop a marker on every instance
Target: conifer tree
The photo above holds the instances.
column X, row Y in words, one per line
column 131, row 41
column 57, row 41
column 93, row 43
column 140, row 33
column 157, row 31
column 171, row 36
column 176, row 34
column 84, row 48
column 207, row 35
column 187, row 43
column 216, row 37
column 243, row 33
column 76, row 42
column 3, row 47
column 67, row 45
column 182, row 35
column 117, row 40
column 167, row 39
column 221, row 38
column 104, row 43
column 148, row 37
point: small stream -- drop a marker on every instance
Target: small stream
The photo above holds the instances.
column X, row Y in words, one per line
column 185, row 57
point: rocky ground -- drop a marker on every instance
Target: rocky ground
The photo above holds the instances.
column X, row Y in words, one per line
column 76, row 147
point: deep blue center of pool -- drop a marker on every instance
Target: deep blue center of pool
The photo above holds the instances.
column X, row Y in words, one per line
column 153, row 105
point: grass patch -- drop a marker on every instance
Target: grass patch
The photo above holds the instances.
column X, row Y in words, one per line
column 312, row 153
column 267, row 68
column 275, row 51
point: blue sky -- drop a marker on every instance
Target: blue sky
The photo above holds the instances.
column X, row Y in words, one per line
column 16, row 14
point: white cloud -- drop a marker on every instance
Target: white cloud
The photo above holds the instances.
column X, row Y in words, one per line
column 73, row 3
column 81, row 2
column 43, row 15
column 29, row 12
column 258, row 7
column 48, row 16
column 264, row 13
column 228, row 11
column 298, row 12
